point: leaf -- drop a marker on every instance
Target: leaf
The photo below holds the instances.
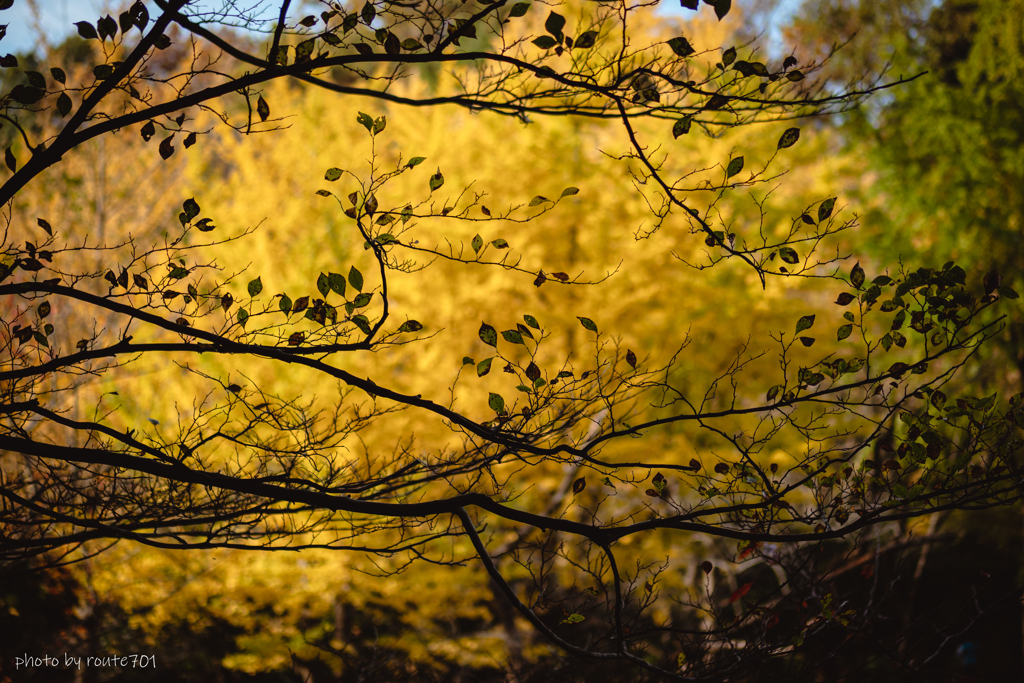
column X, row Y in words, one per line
column 190, row 140
column 496, row 403
column 226, row 301
column 411, row 45
column 362, row 300
column 735, row 166
column 255, row 287
column 533, row 372
column 579, row 485
column 804, row 323
column 190, row 208
column 740, row 592
column 380, row 123
column 789, row 138
column 410, row 326
column 845, row 298
column 499, row 244
column 857, row 276
column 561, row 277
column 9, row 159
column 285, row 304
column 488, row 335
column 807, row 341
column 722, row 468
column 262, row 108
column 586, row 40
column 844, row 332
column 587, row 323
column 355, row 278
column 477, row 243
column 415, row 161
column 572, row 619
column 631, row 358
column 300, row 304
column 86, row 30
column 242, row 316
column 531, row 321
column 362, row 322
column 681, row 46
column 682, row 126
column 205, row 225
column 545, row 42
column 140, row 282
column 166, row 148
column 722, row 7
column 789, row 255
column 825, row 210
column 513, row 337
column 536, row 201
column 332, row 174
column 64, row 104
column 368, row 13
column 554, row 25
column 436, row 181
column 519, row 9
column 483, row 367
column 296, row 338
column 706, row 566
column 569, row 191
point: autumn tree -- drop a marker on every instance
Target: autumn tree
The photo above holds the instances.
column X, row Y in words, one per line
column 854, row 422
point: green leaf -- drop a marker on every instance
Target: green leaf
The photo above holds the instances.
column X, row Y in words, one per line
column 569, row 191
column 323, row 285
column 411, row 326
column 483, row 367
column 177, row 273
column 729, row 56
column 336, row 282
column 554, row 25
column 825, row 210
column 362, row 322
column 735, row 166
column 773, row 392
column 857, row 276
column 587, row 323
column 682, row 126
column 436, row 180
column 804, row 323
column 415, row 161
column 513, row 337
column 573, row 619
column 285, row 304
column 362, row 300
column 789, row 255
column 242, row 316
column 789, row 138
column 586, row 40
column 355, row 278
column 332, row 174
column 191, row 209
column 545, row 42
column 531, row 321
column 519, row 9
column 64, row 104
column 536, row 201
column 366, row 121
column 1007, row 292
column 499, row 244
column 844, row 332
column 255, row 287
column 496, row 402
column 477, row 243
column 262, row 108
column 721, row 7
column 488, row 335
column 681, row 46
